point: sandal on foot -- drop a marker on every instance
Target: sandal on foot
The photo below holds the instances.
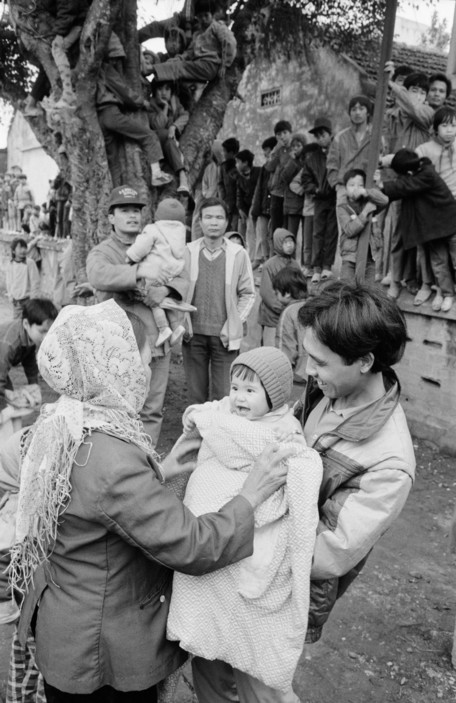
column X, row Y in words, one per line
column 422, row 295
column 447, row 303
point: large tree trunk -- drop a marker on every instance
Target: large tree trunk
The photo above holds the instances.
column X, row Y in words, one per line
column 82, row 154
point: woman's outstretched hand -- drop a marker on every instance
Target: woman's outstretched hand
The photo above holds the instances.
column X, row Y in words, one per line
column 179, row 460
column 268, row 474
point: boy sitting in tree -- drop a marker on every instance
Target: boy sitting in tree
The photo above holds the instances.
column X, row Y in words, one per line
column 211, row 51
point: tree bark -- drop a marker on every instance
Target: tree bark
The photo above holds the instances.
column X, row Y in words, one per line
column 76, row 130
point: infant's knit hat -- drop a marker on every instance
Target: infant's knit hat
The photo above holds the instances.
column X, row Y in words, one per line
column 170, row 209
column 274, row 370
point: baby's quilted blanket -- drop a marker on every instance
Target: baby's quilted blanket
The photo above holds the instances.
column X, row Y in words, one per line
column 253, row 614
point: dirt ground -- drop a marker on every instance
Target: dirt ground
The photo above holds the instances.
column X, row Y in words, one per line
column 390, row 636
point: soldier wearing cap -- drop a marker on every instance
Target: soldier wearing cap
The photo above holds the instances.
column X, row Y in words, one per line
column 112, row 277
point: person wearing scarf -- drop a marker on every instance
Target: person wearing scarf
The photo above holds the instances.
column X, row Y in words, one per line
column 97, row 533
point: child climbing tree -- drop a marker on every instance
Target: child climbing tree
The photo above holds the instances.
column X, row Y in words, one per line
column 68, row 43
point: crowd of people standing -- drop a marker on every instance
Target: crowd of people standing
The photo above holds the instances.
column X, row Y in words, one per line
column 21, row 214
column 102, row 549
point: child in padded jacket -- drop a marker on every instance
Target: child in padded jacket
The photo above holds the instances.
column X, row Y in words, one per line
column 270, row 307
column 355, row 215
column 165, row 240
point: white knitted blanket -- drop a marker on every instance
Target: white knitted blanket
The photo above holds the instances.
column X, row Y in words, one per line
column 253, row 614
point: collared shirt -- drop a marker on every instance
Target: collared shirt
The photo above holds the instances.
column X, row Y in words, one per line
column 324, row 419
column 212, row 254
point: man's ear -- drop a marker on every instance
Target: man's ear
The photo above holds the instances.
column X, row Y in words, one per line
column 367, row 361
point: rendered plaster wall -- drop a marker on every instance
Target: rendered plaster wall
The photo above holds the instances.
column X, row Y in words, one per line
column 318, row 83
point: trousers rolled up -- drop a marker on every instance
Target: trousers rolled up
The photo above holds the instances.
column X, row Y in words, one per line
column 132, row 125
column 173, row 155
column 441, row 267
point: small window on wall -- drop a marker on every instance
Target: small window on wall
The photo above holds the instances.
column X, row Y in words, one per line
column 270, row 98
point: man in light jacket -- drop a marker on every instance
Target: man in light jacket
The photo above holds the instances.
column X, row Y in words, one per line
column 223, row 291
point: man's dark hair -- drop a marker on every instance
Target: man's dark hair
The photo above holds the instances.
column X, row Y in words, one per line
column 246, row 156
column 231, row 145
column 269, row 143
column 15, row 242
column 443, row 79
column 212, row 202
column 290, row 280
column 403, row 70
column 444, row 115
column 354, row 320
column 282, row 126
column 38, row 310
column 139, row 329
column 417, row 80
column 352, row 172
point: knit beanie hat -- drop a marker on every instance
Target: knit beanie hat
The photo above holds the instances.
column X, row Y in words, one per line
column 274, row 370
column 361, row 100
column 170, row 209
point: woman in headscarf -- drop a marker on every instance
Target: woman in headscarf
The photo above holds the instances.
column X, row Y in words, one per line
column 97, row 534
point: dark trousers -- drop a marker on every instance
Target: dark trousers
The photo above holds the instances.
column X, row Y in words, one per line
column 106, row 694
column 276, row 213
column 132, row 125
column 293, row 222
column 324, row 242
column 403, row 263
column 348, row 271
column 201, row 70
column 172, row 153
column 207, row 368
column 307, row 240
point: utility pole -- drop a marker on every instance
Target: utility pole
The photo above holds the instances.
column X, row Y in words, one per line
column 451, row 63
column 377, row 122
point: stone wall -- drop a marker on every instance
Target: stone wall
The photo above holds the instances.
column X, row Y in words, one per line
column 428, row 374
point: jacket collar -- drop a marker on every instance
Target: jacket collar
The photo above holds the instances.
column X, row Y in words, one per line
column 369, row 420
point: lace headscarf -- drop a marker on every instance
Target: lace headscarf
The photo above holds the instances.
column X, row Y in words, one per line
column 89, row 356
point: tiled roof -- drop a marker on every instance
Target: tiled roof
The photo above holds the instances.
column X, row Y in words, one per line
column 427, row 62
column 424, row 61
